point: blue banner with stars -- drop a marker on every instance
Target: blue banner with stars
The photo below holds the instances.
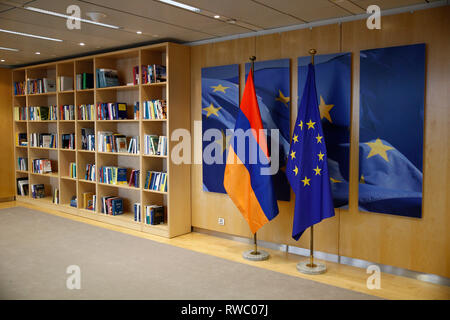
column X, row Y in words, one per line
column 333, row 83
column 272, row 86
column 392, row 86
column 220, row 106
column 307, row 166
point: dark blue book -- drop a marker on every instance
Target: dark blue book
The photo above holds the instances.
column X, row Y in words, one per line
column 117, row 206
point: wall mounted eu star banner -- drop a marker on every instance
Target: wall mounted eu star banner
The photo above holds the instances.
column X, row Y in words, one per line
column 333, row 83
column 391, row 123
column 220, row 105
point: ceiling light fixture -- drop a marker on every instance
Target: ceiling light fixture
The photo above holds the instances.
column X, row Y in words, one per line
column 81, row 43
column 30, row 35
column 139, row 32
column 56, row 14
column 37, row 52
column 2, row 60
column 9, row 49
column 181, row 5
column 217, row 16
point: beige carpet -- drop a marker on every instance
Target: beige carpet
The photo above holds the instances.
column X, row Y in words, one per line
column 36, row 248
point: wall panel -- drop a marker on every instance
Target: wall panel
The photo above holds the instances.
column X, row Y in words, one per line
column 6, row 141
column 415, row 244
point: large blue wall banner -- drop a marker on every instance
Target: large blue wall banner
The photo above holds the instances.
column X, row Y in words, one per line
column 392, row 86
column 333, row 83
column 220, row 105
column 272, row 86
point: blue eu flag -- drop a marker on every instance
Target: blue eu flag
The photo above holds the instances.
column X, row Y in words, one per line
column 307, row 168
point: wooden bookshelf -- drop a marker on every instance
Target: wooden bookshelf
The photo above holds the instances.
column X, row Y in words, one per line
column 176, row 90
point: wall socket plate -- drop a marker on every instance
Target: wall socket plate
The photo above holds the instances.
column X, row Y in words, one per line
column 221, row 221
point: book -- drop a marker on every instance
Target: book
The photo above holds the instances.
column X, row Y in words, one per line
column 64, row 83
column 87, row 139
column 73, row 201
column 38, row 190
column 88, row 200
column 22, row 186
column 122, row 175
column 55, row 198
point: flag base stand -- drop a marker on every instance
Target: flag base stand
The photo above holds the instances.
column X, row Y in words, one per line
column 306, row 268
column 259, row 255
column 255, row 254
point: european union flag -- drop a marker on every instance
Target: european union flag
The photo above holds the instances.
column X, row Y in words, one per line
column 307, row 168
column 220, row 107
column 392, row 89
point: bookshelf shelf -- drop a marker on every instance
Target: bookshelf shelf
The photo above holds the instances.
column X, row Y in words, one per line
column 175, row 90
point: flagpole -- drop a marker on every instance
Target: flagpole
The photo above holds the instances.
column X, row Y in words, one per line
column 255, row 255
column 311, row 267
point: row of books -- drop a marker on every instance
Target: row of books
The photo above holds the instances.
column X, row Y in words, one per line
column 43, row 85
column 19, row 88
column 20, row 113
column 89, row 200
column 156, row 181
column 21, row 139
column 43, row 140
column 87, row 139
column 112, row 205
column 90, row 172
column 73, row 170
column 154, row 109
column 134, row 178
column 115, row 142
column 38, row 190
column 86, row 112
column 67, row 112
column 85, row 81
column 22, row 186
column 42, row 165
column 155, row 145
column 64, row 83
column 111, row 111
column 42, row 113
column 154, row 214
column 22, row 164
column 118, row 176
column 107, row 78
column 68, row 141
column 149, row 74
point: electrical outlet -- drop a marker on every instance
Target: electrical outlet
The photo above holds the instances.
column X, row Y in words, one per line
column 221, row 221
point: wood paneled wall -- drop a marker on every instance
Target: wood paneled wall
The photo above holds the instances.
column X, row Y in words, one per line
column 6, row 137
column 415, row 244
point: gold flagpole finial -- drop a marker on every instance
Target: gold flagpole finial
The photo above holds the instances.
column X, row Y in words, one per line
column 312, row 52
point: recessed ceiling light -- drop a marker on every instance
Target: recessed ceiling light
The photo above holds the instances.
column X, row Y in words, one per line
column 181, row 5
column 232, row 21
column 2, row 60
column 217, row 16
column 139, row 32
column 81, row 43
column 37, row 52
column 56, row 14
column 8, row 49
column 30, row 35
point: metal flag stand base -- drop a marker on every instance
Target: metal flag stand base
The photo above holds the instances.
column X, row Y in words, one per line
column 255, row 255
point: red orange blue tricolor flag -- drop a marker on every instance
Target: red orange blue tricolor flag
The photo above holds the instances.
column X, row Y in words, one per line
column 250, row 190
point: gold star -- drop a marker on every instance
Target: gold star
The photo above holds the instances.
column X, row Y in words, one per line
column 295, row 138
column 292, row 155
column 379, row 148
column 362, row 180
column 224, row 141
column 334, row 180
column 310, row 124
column 295, row 170
column 325, row 110
column 220, row 88
column 305, row 181
column 317, row 170
column 282, row 98
column 301, row 125
column 320, row 155
column 319, row 138
column 211, row 110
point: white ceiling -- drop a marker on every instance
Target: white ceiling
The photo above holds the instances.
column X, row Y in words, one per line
column 157, row 21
